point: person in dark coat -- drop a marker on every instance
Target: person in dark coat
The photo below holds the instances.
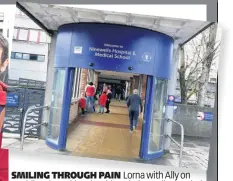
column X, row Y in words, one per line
column 109, row 95
column 134, row 103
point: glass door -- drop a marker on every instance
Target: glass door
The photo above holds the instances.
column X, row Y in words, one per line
column 56, row 107
column 59, row 110
column 158, row 116
column 154, row 116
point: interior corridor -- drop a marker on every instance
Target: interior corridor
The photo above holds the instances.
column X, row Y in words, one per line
column 105, row 135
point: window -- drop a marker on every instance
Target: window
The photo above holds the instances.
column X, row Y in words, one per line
column 31, row 35
column 27, row 56
column 23, row 34
column 33, row 57
column 34, row 34
column 18, row 55
column 43, row 37
column 1, row 30
column 213, row 80
column 76, row 83
column 15, row 33
column 41, row 58
column 12, row 54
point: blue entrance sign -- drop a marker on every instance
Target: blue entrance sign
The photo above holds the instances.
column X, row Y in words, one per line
column 114, row 48
column 170, row 100
column 12, row 100
column 205, row 116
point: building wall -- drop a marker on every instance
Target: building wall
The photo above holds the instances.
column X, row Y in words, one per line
column 187, row 116
column 26, row 68
column 37, row 43
column 74, row 111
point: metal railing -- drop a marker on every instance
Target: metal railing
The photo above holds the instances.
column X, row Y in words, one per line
column 181, row 141
column 25, row 120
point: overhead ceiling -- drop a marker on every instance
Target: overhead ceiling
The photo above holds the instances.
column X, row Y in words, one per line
column 115, row 75
column 53, row 16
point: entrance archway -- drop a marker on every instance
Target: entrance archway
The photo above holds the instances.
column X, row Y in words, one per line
column 112, row 48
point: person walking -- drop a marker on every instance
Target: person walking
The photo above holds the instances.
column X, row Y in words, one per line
column 134, row 103
column 109, row 95
column 90, row 93
column 102, row 102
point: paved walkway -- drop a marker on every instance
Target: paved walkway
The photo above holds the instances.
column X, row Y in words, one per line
column 107, row 136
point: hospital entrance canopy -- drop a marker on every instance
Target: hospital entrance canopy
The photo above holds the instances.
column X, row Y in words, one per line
column 51, row 17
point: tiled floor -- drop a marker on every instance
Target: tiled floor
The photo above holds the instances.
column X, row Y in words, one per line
column 107, row 137
column 100, row 135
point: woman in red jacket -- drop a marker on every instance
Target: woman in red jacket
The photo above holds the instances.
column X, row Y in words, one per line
column 3, row 91
column 3, row 76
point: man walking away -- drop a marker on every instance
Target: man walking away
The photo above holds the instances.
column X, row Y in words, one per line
column 109, row 96
column 90, row 93
column 134, row 103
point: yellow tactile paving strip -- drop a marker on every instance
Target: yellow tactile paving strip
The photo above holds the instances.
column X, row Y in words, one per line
column 110, row 135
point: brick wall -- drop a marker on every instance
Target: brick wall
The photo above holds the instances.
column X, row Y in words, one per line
column 143, row 95
column 83, row 80
column 96, row 79
column 74, row 108
column 136, row 82
column 131, row 85
column 74, row 111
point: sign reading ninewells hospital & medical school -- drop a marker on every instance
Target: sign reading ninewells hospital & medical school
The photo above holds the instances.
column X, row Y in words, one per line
column 114, row 51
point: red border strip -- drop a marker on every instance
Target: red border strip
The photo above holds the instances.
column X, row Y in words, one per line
column 4, row 164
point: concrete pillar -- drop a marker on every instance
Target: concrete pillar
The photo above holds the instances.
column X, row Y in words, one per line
column 49, row 84
column 171, row 91
column 213, row 153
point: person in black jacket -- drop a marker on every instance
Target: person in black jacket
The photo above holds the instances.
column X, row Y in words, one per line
column 109, row 95
column 134, row 103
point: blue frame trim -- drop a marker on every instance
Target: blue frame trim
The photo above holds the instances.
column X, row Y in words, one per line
column 65, row 108
column 51, row 144
column 78, row 38
column 61, row 145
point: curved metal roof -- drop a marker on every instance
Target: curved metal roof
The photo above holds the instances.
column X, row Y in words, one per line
column 50, row 17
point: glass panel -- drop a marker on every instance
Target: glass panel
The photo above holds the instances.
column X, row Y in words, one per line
column 23, row 34
column 15, row 33
column 34, row 35
column 41, row 58
column 56, row 104
column 158, row 115
column 12, row 55
column 26, row 56
column 33, row 57
column 43, row 37
column 18, row 55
